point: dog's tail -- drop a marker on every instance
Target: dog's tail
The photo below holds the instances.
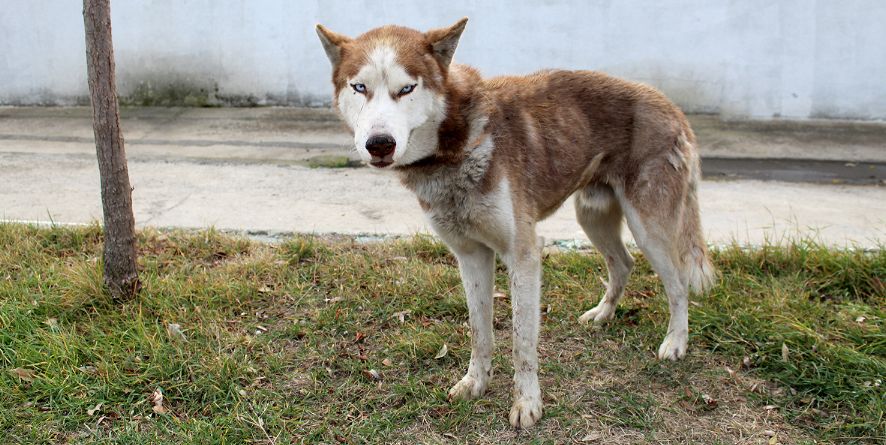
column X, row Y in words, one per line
column 697, row 271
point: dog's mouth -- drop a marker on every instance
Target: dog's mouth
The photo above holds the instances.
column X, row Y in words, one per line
column 382, row 162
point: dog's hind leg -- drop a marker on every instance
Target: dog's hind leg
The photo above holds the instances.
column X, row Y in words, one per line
column 661, row 210
column 476, row 262
column 600, row 215
column 656, row 238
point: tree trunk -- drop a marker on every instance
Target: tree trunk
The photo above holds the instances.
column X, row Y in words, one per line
column 120, row 266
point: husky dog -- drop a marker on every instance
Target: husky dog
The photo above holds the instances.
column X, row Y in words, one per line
column 489, row 158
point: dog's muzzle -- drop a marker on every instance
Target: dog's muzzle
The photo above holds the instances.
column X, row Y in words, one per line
column 381, row 148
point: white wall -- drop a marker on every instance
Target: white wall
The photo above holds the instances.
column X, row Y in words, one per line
column 741, row 58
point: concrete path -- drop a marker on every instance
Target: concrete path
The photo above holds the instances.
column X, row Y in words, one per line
column 241, row 169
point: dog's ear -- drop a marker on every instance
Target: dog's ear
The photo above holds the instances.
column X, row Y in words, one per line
column 332, row 43
column 443, row 41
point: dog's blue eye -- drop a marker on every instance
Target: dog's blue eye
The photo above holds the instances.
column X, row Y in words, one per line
column 359, row 87
column 406, row 90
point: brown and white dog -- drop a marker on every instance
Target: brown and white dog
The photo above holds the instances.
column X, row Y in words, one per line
column 489, row 158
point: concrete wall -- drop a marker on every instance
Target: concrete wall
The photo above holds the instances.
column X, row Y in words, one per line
column 741, row 58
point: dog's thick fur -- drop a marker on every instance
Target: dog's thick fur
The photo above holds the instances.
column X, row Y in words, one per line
column 488, row 158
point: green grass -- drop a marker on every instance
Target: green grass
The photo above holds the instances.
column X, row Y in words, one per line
column 280, row 340
column 331, row 161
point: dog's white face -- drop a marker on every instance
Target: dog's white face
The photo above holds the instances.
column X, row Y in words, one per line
column 389, row 89
column 387, row 108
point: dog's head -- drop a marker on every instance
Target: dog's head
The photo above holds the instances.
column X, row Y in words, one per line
column 389, row 88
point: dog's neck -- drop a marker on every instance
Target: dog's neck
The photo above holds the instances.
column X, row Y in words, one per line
column 462, row 125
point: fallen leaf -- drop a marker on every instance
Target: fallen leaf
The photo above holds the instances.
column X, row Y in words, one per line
column 24, row 374
column 860, row 319
column 730, row 371
column 746, row 362
column 89, row 369
column 785, row 352
column 264, row 289
column 592, row 437
column 175, row 331
column 386, row 362
column 709, row 401
column 773, row 440
column 93, row 410
column 500, row 295
column 442, row 352
column 769, row 433
column 770, row 407
column 372, row 374
column 52, row 323
column 401, row 316
column 157, row 399
column 359, row 336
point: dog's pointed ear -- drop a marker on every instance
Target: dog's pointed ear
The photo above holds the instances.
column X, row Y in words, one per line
column 332, row 43
column 443, row 41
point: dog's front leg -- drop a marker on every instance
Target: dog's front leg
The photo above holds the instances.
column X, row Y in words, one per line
column 524, row 266
column 476, row 263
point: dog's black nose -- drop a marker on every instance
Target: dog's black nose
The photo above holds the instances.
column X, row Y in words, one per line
column 380, row 145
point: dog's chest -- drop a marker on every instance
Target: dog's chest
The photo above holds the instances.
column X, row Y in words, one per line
column 458, row 206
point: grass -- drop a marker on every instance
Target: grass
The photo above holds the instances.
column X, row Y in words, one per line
column 332, row 161
column 303, row 342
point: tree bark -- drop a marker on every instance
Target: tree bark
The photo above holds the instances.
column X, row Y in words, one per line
column 120, row 257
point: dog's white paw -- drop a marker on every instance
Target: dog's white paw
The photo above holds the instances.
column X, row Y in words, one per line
column 467, row 388
column 602, row 313
column 674, row 346
column 526, row 411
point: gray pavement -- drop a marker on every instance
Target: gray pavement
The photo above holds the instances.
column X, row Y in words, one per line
column 246, row 169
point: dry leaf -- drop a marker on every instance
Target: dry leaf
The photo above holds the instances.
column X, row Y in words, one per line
column 401, row 316
column 24, row 374
column 175, row 331
column 730, row 371
column 372, row 374
column 784, row 352
column 860, row 319
column 592, row 437
column 157, row 399
column 89, row 369
column 93, row 410
column 443, row 351
column 264, row 289
column 746, row 362
column 386, row 362
column 52, row 323
column 709, row 401
column 770, row 407
column 500, row 295
column 773, row 440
